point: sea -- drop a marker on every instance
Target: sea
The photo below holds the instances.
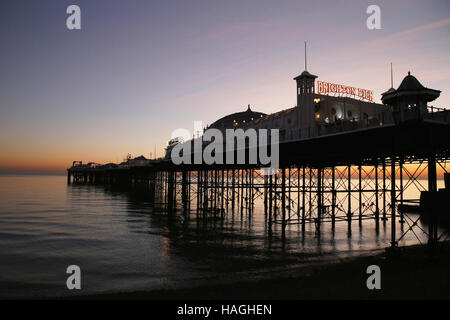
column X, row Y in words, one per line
column 122, row 243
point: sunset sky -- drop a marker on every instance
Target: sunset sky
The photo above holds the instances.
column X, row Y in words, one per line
column 140, row 69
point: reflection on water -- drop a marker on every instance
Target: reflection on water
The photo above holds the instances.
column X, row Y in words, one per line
column 121, row 243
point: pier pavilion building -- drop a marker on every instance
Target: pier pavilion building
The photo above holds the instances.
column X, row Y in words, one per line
column 322, row 108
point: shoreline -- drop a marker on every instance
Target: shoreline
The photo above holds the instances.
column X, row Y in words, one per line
column 411, row 274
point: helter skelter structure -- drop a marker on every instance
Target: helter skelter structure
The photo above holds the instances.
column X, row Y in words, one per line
column 342, row 159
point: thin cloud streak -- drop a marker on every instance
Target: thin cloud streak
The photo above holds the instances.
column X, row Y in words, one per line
column 402, row 34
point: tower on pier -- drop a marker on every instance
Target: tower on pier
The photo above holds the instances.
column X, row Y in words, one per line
column 305, row 104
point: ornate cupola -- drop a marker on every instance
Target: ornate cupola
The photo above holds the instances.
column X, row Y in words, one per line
column 305, row 83
column 410, row 100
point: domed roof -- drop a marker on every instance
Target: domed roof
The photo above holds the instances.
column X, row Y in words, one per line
column 410, row 83
column 238, row 118
column 410, row 88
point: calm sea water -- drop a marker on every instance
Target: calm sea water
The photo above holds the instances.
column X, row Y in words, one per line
column 122, row 244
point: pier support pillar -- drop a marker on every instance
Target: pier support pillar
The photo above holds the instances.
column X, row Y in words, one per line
column 170, row 192
column 402, row 220
column 283, row 201
column 384, row 190
column 377, row 208
column 222, row 192
column 319, row 198
column 349, row 209
column 184, row 196
column 360, row 193
column 303, row 198
column 393, row 203
column 432, row 189
column 270, row 203
column 333, row 198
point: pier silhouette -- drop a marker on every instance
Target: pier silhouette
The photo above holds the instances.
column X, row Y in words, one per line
column 327, row 174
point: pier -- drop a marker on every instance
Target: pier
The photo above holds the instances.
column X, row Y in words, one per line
column 337, row 174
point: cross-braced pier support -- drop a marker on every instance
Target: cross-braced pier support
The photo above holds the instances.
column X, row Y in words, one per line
column 301, row 194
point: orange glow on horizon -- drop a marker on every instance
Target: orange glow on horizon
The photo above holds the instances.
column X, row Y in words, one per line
column 59, row 167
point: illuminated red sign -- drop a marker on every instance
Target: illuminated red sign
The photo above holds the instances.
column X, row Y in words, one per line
column 326, row 88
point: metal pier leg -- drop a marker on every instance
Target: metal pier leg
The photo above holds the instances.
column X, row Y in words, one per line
column 205, row 192
column 265, row 195
column 189, row 192
column 253, row 189
column 303, row 199
column 233, row 189
column 199, row 187
column 184, row 194
column 227, row 191
column 283, row 202
column 393, row 203
column 270, row 203
column 242, row 191
column 298, row 193
column 319, row 198
column 333, row 198
column 384, row 190
column 310, row 193
column 222, row 193
column 289, row 193
column 360, row 193
column 432, row 189
column 275, row 195
column 170, row 192
column 214, row 190
column 349, row 211
column 402, row 220
column 377, row 210
column 247, row 191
